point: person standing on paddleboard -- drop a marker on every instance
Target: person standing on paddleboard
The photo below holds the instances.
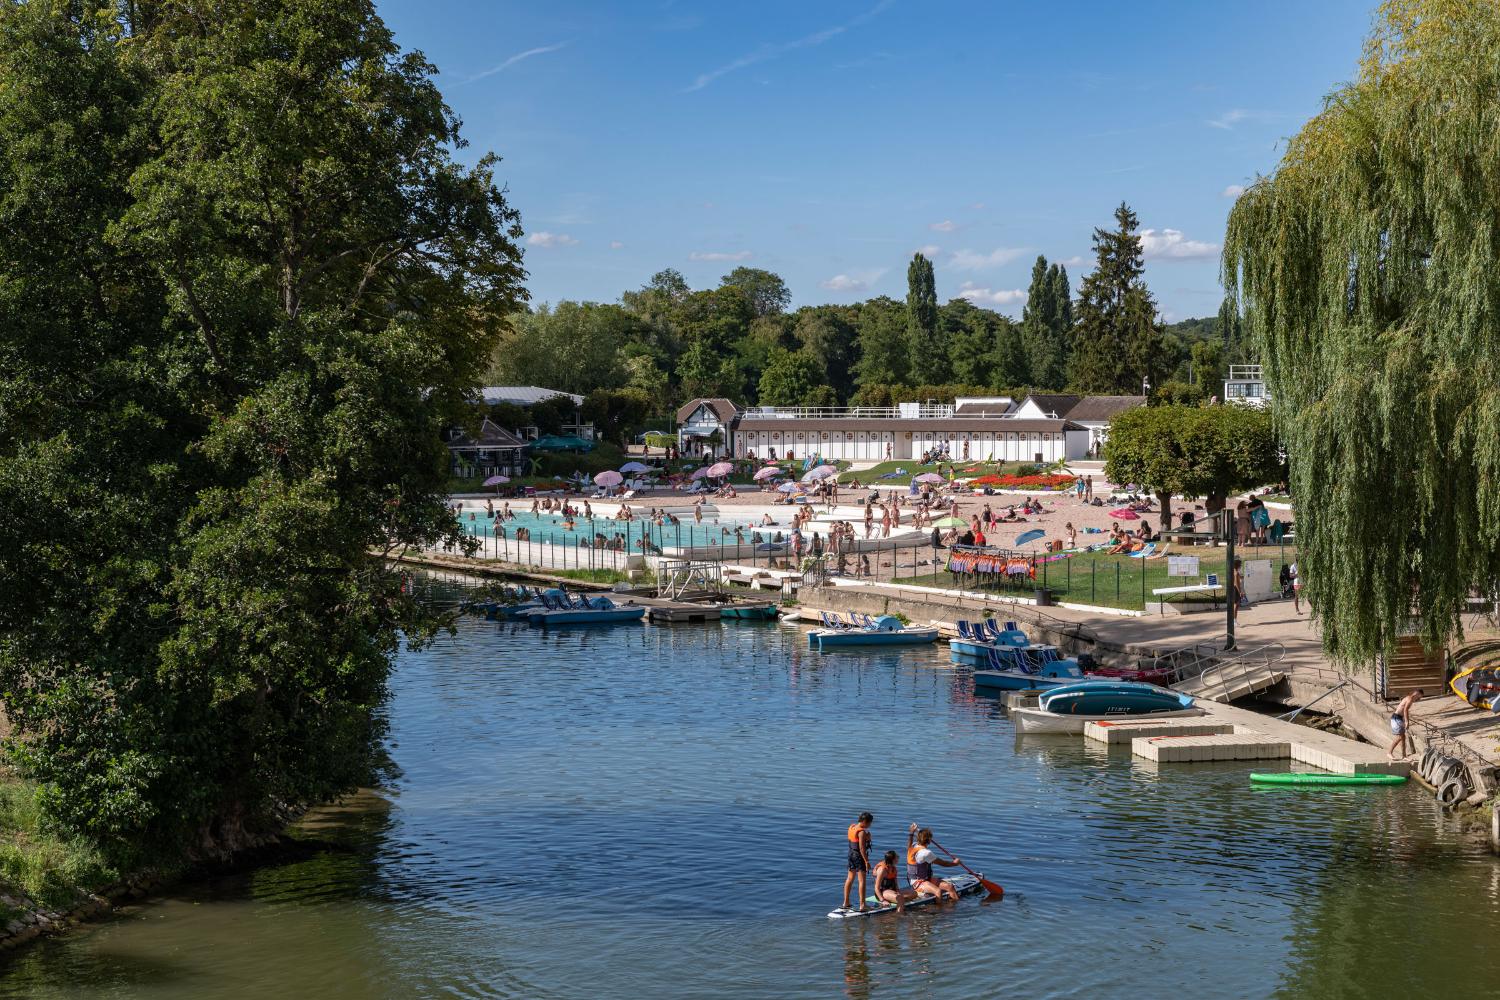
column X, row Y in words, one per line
column 919, row 861
column 859, row 856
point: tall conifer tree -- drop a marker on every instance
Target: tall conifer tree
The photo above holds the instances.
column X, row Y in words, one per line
column 929, row 355
column 1116, row 338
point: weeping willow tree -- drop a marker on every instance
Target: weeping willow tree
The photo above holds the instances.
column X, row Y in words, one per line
column 1372, row 260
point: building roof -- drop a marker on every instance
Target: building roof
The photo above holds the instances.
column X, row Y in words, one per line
column 1005, row 425
column 722, row 408
column 1058, row 403
column 522, row 395
column 987, row 406
column 491, row 436
column 1102, row 409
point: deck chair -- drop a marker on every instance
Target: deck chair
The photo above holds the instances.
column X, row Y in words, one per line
column 1145, row 552
column 994, row 628
column 965, row 631
column 1161, row 551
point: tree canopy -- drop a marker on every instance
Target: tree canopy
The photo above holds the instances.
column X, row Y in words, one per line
column 1116, row 338
column 1208, row 451
column 243, row 287
column 1369, row 264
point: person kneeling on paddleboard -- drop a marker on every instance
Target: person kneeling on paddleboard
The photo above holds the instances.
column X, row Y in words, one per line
column 919, row 861
column 887, row 889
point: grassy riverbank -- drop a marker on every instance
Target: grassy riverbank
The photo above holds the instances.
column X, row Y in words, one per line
column 36, row 864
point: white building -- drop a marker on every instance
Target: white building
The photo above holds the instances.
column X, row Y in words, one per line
column 704, row 427
column 1246, row 385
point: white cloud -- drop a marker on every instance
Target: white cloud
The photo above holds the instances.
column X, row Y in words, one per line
column 929, row 250
column 946, row 226
column 977, row 206
column 546, row 239
column 1075, row 261
column 991, row 297
column 1232, row 191
column 1170, row 244
column 1233, row 117
column 854, row 281
column 616, row 245
column 970, row 260
column 772, row 51
column 507, row 64
column 717, row 255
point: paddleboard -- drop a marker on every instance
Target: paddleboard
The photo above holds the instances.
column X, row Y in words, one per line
column 965, row 884
column 1314, row 778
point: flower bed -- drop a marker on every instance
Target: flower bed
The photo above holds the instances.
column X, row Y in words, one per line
column 1045, row 482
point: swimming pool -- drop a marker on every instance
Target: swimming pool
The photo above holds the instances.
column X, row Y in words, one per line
column 549, row 527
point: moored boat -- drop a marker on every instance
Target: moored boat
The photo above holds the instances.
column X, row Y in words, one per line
column 1016, row 669
column 750, row 612
column 1032, row 721
column 1112, row 698
column 596, row 611
column 1479, row 687
column 887, row 630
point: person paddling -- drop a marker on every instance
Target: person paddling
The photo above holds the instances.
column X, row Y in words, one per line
column 887, row 888
column 859, row 856
column 919, row 861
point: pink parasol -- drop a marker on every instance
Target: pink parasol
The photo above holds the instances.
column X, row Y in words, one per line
column 720, row 469
column 1125, row 514
column 698, row 473
column 769, row 472
column 928, row 477
column 609, row 477
column 496, row 480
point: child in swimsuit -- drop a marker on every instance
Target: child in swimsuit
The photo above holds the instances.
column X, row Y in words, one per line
column 887, row 889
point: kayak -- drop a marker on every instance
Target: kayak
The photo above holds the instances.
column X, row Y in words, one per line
column 1315, row 778
column 965, row 884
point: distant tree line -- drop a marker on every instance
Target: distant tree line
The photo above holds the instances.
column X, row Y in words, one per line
column 665, row 342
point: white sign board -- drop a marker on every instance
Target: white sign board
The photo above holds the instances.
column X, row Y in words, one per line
column 1182, row 565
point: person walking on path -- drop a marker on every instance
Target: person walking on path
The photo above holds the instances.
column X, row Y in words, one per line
column 1296, row 589
column 859, row 856
column 1400, row 722
column 1088, row 489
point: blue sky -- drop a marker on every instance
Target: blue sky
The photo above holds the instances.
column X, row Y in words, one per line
column 828, row 141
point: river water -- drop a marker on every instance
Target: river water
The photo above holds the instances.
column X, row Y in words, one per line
column 660, row 812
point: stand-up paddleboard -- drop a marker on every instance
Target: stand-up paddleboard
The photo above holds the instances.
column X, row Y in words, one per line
column 1316, row 778
column 965, row 884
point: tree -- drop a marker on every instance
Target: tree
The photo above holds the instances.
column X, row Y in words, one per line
column 705, row 374
column 1009, row 367
column 767, row 293
column 617, row 413
column 243, row 286
column 1040, row 330
column 927, row 353
column 1192, row 451
column 572, row 347
column 827, row 336
column 970, row 333
column 1373, row 291
column 882, row 352
column 789, row 379
column 1116, row 338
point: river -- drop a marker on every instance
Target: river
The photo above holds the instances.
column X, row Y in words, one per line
column 660, row 812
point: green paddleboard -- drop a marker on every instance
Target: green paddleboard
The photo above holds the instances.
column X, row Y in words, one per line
column 1311, row 778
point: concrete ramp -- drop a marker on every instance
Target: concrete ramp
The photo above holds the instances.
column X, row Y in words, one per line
column 1231, row 682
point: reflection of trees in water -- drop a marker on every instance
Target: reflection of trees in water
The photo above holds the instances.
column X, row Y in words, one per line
column 902, row 949
column 1402, row 903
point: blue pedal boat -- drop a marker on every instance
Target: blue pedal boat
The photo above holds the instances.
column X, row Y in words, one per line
column 976, row 639
column 1103, row 697
column 1026, row 669
column 593, row 611
column 886, row 630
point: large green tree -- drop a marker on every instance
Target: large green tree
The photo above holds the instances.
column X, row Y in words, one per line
column 927, row 353
column 1369, row 264
column 882, row 348
column 572, row 347
column 243, row 286
column 792, row 378
column 767, row 293
column 1116, row 336
column 1192, row 451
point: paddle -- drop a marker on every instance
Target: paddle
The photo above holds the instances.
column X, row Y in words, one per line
column 993, row 888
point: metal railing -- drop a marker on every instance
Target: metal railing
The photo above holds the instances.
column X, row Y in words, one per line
column 923, row 411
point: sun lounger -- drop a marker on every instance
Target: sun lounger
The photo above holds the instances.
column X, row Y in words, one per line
column 965, row 631
column 1145, row 552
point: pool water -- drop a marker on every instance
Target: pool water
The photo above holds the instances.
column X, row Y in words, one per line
column 659, row 812
column 549, row 528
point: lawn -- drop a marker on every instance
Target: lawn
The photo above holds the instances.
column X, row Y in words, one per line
column 1108, row 580
column 51, row 870
column 909, row 468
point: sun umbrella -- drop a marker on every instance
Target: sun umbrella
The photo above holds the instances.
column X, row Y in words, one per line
column 928, row 477
column 769, row 472
column 789, row 488
column 698, row 474
column 1125, row 514
column 820, row 472
column 635, row 467
column 609, row 477
column 950, row 522
column 1027, row 537
column 496, row 480
column 720, row 469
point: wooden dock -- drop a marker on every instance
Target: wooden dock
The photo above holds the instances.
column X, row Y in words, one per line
column 665, row 611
